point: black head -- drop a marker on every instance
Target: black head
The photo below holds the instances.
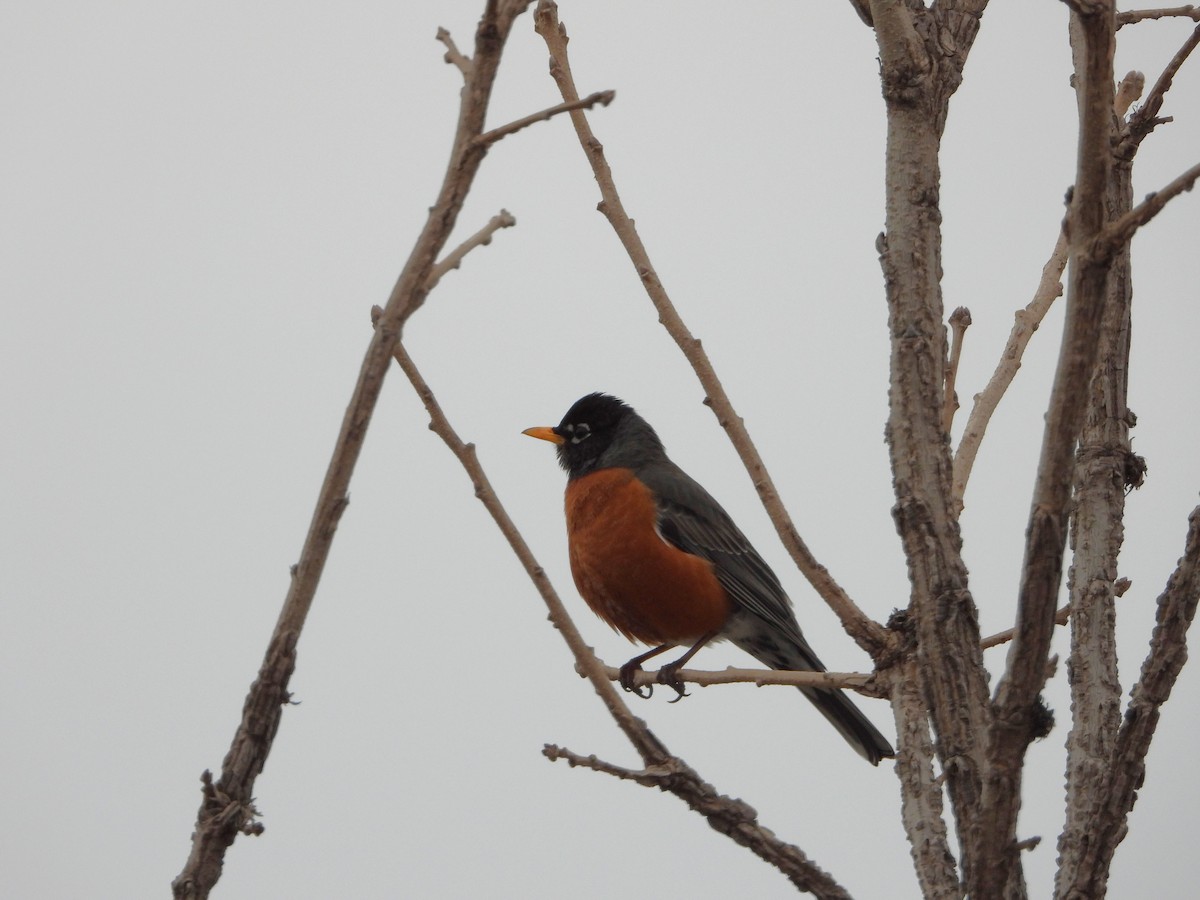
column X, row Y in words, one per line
column 599, row 432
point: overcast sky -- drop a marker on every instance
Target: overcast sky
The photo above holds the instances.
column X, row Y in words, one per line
column 201, row 202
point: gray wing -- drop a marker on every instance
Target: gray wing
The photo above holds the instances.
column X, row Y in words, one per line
column 690, row 519
column 764, row 624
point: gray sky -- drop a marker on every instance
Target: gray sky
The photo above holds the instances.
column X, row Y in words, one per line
column 201, row 203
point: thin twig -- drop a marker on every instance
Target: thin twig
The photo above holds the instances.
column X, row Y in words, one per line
column 1027, row 321
column 645, row 777
column 481, row 238
column 868, row 633
column 601, row 98
column 1117, row 234
column 760, row 677
column 453, row 57
column 1142, row 15
column 960, row 321
column 728, row 815
column 1061, row 617
column 1144, row 120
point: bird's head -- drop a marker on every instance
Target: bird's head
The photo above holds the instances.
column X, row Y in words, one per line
column 599, row 432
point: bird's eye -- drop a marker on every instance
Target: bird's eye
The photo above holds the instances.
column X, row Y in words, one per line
column 580, row 432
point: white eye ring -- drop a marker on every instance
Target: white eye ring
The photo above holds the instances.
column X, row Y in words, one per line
column 580, row 432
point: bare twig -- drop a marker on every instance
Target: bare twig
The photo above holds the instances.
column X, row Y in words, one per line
column 729, row 816
column 601, row 98
column 868, row 633
column 1142, row 15
column 1027, row 321
column 1116, row 234
column 858, row 681
column 453, row 57
column 1061, row 617
column 481, row 238
column 1144, row 120
column 960, row 321
column 645, row 777
column 261, row 714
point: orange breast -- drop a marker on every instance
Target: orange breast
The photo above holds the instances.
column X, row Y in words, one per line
column 639, row 584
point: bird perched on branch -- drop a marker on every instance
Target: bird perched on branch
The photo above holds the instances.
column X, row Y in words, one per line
column 658, row 559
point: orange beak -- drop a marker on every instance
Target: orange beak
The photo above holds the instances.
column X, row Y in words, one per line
column 543, row 433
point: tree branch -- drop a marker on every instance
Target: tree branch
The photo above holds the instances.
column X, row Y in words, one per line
column 921, row 809
column 922, row 51
column 1126, row 770
column 1144, row 120
column 645, row 777
column 868, row 633
column 1017, row 714
column 864, row 683
column 603, row 98
column 1027, row 322
column 481, row 238
column 215, row 832
column 732, row 817
column 1061, row 617
column 1142, row 15
column 453, row 57
column 960, row 321
column 1117, row 234
column 1102, row 469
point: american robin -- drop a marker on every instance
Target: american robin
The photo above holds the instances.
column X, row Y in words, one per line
column 658, row 559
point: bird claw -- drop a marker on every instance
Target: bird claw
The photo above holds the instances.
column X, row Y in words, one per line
column 669, row 675
column 626, row 676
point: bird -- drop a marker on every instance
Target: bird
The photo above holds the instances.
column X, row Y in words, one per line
column 658, row 559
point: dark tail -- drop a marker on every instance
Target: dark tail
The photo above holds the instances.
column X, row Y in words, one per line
column 850, row 723
column 833, row 703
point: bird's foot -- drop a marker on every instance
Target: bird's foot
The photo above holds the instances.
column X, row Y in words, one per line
column 669, row 675
column 627, row 675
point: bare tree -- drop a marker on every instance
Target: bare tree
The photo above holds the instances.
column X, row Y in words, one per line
column 958, row 740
